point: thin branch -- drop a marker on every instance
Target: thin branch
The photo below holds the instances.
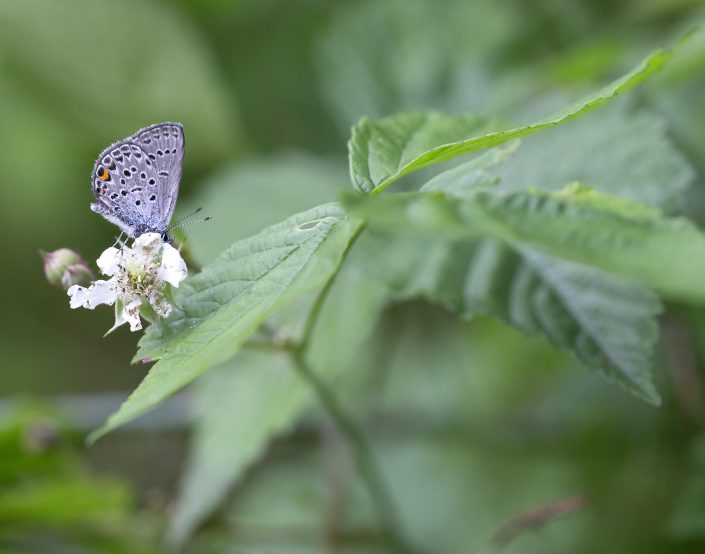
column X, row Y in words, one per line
column 684, row 369
column 533, row 518
column 364, row 459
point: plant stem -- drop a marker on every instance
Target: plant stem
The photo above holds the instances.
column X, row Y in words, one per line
column 312, row 316
column 533, row 518
column 364, row 458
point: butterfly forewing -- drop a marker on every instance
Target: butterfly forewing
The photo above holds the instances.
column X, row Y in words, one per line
column 164, row 145
column 136, row 180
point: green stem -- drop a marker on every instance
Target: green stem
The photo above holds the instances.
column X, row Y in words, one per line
column 312, row 316
column 362, row 452
column 261, row 346
column 364, row 458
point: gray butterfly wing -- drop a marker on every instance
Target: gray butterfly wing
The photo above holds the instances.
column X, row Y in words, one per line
column 125, row 183
column 164, row 145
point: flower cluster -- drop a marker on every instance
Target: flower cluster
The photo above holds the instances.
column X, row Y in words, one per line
column 138, row 279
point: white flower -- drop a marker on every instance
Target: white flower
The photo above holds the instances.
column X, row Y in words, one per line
column 138, row 276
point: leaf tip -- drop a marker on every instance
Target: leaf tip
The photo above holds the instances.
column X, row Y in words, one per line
column 93, row 436
column 647, row 392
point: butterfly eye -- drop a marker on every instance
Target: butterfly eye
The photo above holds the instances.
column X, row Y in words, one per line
column 103, row 174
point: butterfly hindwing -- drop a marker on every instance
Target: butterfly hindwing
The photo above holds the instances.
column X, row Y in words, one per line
column 125, row 183
column 164, row 145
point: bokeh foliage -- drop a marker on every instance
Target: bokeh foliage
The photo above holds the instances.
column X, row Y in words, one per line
column 472, row 422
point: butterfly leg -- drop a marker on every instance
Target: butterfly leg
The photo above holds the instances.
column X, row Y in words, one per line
column 118, row 240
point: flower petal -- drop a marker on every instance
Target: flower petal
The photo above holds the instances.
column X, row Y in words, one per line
column 100, row 292
column 159, row 303
column 78, row 295
column 131, row 314
column 173, row 268
column 146, row 247
column 109, row 261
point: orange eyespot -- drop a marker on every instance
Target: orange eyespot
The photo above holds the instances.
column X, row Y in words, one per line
column 103, row 174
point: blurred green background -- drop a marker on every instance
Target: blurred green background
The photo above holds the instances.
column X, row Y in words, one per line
column 483, row 423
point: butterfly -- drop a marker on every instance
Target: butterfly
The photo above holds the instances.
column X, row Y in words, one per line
column 136, row 180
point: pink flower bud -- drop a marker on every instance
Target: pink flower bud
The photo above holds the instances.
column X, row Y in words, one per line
column 64, row 268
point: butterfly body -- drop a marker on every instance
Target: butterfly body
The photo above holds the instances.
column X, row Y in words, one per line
column 136, row 180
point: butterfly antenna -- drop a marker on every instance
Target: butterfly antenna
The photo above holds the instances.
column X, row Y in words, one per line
column 183, row 221
column 179, row 221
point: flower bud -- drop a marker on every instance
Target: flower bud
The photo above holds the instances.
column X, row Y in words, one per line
column 64, row 268
column 76, row 274
column 40, row 437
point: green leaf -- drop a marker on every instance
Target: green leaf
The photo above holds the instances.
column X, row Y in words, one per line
column 579, row 224
column 467, row 178
column 380, row 152
column 614, row 150
column 384, row 151
column 225, row 303
column 239, row 408
column 608, row 323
